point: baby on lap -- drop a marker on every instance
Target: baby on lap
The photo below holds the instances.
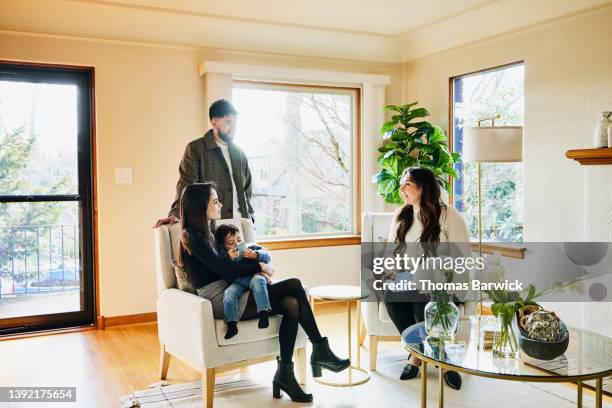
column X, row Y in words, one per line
column 230, row 244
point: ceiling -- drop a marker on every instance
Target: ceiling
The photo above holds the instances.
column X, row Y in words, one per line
column 389, row 31
column 386, row 17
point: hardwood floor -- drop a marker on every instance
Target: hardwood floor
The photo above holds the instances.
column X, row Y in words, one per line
column 107, row 364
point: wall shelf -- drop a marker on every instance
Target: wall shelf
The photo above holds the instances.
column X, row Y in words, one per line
column 591, row 156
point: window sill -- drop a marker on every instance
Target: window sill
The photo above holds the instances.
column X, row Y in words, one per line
column 508, row 251
column 299, row 243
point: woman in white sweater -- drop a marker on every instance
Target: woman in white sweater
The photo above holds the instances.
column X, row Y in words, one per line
column 424, row 218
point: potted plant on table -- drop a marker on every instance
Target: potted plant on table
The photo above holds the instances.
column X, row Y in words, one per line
column 507, row 304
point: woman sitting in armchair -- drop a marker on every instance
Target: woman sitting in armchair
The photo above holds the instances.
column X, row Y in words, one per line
column 199, row 208
column 424, row 218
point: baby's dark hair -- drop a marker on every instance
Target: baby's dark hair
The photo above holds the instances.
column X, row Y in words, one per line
column 223, row 231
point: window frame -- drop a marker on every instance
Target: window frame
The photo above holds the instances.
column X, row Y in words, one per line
column 352, row 237
column 513, row 249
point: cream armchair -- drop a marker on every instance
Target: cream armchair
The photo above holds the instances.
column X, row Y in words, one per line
column 376, row 320
column 378, row 324
column 188, row 331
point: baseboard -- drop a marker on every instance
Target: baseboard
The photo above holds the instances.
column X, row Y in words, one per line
column 110, row 321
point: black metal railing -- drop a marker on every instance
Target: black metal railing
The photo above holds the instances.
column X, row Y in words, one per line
column 39, row 259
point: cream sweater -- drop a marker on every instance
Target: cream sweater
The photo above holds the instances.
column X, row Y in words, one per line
column 453, row 229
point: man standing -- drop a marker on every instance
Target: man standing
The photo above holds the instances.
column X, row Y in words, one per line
column 215, row 157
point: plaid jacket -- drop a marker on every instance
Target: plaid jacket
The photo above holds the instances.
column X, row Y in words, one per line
column 203, row 161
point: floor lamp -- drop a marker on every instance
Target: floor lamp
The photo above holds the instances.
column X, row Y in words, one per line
column 490, row 144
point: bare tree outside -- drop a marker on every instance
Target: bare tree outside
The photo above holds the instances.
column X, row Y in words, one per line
column 302, row 171
column 39, row 244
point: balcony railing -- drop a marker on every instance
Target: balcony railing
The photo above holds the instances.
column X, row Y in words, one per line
column 39, row 259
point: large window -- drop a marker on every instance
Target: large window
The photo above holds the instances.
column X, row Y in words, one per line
column 301, row 145
column 474, row 96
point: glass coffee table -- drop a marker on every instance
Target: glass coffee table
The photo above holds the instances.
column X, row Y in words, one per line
column 588, row 357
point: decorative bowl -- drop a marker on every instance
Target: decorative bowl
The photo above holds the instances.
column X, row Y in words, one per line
column 544, row 350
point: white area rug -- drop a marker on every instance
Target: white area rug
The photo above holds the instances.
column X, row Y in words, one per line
column 162, row 394
column 383, row 390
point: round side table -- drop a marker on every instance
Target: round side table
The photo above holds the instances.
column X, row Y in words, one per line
column 356, row 375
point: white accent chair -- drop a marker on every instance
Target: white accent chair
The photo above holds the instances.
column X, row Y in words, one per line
column 188, row 331
column 378, row 324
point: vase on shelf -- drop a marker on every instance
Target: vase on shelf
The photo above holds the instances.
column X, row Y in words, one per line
column 506, row 337
column 600, row 135
column 441, row 316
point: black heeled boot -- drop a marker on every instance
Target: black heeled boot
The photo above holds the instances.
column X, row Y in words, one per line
column 284, row 379
column 323, row 357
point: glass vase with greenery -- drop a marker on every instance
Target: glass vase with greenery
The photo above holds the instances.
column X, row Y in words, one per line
column 441, row 315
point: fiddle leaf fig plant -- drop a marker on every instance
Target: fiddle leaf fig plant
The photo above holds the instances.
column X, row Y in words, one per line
column 409, row 140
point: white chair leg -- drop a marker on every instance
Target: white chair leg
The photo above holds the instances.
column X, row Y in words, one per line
column 301, row 365
column 164, row 362
column 208, row 387
column 373, row 352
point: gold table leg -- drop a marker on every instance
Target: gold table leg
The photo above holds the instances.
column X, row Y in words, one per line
column 358, row 333
column 441, row 380
column 598, row 392
column 362, row 375
column 350, row 356
column 579, row 396
column 423, row 384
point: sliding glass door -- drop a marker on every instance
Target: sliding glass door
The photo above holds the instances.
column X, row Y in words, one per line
column 46, row 228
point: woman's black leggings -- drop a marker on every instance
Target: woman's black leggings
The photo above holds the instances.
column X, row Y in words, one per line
column 405, row 308
column 288, row 298
column 405, row 314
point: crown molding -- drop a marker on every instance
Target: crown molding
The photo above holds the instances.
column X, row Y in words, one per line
column 231, row 19
column 493, row 21
column 106, row 20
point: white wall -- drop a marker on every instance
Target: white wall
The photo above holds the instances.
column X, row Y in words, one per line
column 150, row 103
column 568, row 82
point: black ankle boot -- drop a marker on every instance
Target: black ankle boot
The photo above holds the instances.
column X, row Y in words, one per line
column 284, row 379
column 323, row 357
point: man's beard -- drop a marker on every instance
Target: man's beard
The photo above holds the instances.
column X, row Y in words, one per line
column 225, row 137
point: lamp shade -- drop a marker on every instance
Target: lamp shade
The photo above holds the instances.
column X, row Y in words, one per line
column 493, row 144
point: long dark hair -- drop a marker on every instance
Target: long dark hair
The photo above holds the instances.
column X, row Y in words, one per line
column 193, row 208
column 429, row 214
